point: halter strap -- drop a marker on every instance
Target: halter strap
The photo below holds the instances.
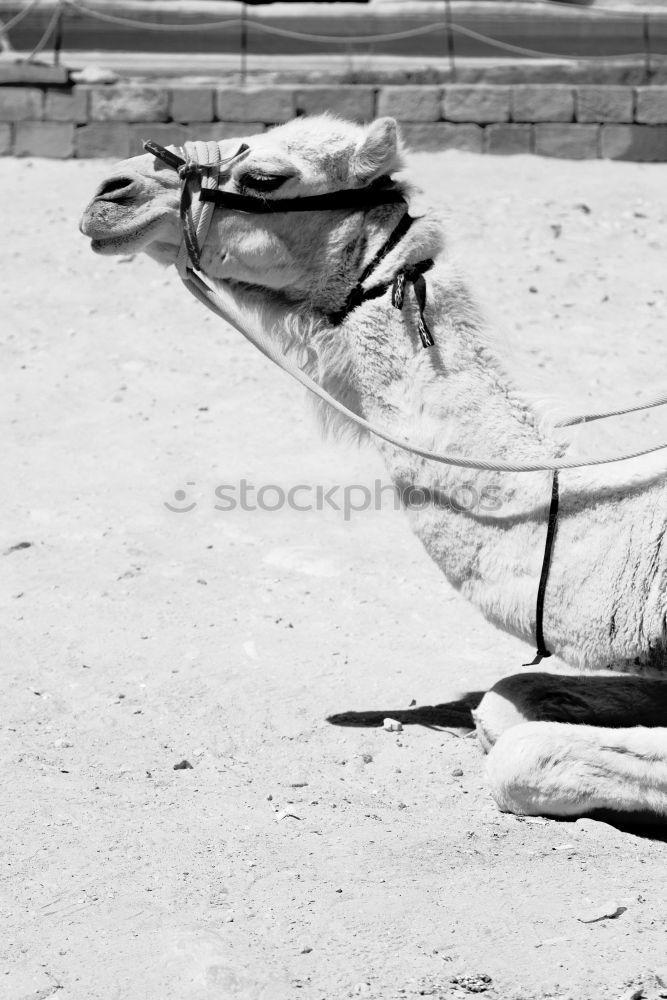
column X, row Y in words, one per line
column 412, row 274
column 542, row 652
column 199, row 172
column 332, row 201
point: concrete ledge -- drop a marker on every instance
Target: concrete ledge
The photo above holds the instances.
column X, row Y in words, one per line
column 572, row 121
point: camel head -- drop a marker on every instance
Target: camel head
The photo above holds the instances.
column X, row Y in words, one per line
column 305, row 256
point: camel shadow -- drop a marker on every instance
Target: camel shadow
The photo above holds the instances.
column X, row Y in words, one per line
column 448, row 715
column 638, row 824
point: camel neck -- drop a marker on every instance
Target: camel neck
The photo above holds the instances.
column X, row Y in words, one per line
column 456, row 397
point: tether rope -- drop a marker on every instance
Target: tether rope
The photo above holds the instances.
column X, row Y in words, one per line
column 586, row 418
column 212, row 300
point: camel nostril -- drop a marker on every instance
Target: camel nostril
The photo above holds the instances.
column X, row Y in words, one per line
column 115, row 189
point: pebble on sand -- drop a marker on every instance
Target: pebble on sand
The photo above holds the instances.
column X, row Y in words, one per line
column 183, row 765
column 393, row 726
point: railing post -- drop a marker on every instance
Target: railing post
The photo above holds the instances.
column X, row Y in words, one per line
column 648, row 72
column 450, row 40
column 58, row 34
column 244, row 44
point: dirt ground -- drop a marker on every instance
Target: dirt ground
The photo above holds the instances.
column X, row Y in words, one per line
column 306, row 853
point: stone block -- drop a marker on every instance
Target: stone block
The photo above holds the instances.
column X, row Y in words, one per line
column 410, row 104
column 269, row 105
column 20, row 104
column 644, row 143
column 103, row 139
column 476, row 104
column 5, row 139
column 651, row 105
column 542, row 103
column 129, row 104
column 355, row 103
column 219, row 131
column 66, row 105
column 51, row 139
column 192, row 104
column 507, row 139
column 442, row 135
column 604, row 104
column 571, row 142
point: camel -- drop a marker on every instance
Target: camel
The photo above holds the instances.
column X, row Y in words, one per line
column 561, row 746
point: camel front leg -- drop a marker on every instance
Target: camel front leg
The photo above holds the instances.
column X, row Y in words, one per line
column 572, row 745
column 616, row 701
column 552, row 769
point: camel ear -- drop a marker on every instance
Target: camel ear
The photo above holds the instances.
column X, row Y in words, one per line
column 377, row 152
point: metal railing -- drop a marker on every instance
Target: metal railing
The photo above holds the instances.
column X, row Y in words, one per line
column 54, row 31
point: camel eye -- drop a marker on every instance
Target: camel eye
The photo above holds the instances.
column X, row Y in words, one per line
column 262, row 182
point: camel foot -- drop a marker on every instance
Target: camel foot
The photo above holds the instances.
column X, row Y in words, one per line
column 551, row 769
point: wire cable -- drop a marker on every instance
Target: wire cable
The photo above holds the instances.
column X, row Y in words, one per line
column 21, row 14
column 50, row 28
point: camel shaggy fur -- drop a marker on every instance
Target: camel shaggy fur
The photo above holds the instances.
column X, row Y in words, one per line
column 557, row 745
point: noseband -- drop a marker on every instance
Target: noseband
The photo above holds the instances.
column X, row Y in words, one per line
column 199, row 170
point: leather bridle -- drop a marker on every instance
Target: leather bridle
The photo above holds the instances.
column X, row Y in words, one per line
column 203, row 175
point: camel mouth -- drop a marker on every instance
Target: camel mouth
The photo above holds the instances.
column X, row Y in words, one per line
column 109, row 237
column 98, row 245
column 111, row 244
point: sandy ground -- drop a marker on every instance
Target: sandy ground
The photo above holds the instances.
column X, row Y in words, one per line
column 297, row 857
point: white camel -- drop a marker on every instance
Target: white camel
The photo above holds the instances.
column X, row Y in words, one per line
column 559, row 746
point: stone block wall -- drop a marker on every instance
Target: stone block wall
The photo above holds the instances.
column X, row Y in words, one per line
column 571, row 121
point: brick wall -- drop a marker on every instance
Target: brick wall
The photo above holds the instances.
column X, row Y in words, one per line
column 577, row 122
